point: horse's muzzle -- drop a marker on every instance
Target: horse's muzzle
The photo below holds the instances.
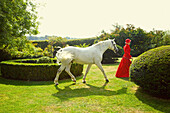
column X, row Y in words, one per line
column 117, row 50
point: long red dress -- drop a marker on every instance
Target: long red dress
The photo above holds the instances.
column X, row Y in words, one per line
column 123, row 69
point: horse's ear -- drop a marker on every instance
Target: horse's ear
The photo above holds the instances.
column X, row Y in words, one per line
column 114, row 39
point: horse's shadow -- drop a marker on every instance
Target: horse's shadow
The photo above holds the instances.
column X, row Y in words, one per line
column 67, row 92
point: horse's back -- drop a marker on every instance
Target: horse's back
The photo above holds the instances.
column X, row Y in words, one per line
column 77, row 49
column 82, row 55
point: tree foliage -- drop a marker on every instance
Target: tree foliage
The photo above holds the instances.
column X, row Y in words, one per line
column 17, row 18
column 166, row 38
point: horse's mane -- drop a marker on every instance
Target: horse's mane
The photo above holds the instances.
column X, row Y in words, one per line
column 99, row 43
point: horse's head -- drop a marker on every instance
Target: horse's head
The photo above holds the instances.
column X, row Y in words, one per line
column 113, row 45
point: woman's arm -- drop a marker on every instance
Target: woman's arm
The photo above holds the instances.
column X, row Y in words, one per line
column 127, row 52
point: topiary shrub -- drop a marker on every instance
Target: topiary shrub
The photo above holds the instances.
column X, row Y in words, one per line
column 44, row 60
column 151, row 71
column 20, row 70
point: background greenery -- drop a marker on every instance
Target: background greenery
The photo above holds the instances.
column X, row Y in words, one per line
column 141, row 39
column 19, row 17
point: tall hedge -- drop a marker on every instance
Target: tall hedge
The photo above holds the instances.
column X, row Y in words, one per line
column 43, row 44
column 16, row 69
column 89, row 41
column 151, row 71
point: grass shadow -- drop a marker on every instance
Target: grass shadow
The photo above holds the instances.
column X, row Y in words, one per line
column 67, row 92
column 23, row 83
column 157, row 103
column 125, row 78
column 114, row 64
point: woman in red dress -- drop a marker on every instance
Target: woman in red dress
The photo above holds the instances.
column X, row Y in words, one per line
column 123, row 69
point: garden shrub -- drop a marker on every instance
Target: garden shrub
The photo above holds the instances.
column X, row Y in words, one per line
column 151, row 71
column 40, row 43
column 44, row 59
column 17, row 69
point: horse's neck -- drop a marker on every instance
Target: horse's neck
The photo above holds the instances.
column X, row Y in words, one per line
column 102, row 47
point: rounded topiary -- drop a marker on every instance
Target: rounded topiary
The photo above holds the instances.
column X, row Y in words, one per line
column 44, row 60
column 151, row 71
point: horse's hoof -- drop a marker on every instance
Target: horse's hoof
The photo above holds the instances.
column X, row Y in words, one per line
column 74, row 80
column 55, row 82
column 107, row 80
column 84, row 81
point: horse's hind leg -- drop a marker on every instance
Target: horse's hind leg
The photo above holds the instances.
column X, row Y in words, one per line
column 99, row 65
column 68, row 71
column 62, row 67
column 87, row 70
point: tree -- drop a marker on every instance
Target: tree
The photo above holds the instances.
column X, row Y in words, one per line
column 156, row 39
column 166, row 38
column 17, row 18
column 50, row 50
column 141, row 40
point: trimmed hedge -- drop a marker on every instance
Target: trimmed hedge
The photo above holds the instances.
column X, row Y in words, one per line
column 17, row 69
column 109, row 57
column 151, row 71
column 44, row 60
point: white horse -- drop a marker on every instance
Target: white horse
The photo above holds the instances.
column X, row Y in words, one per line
column 89, row 55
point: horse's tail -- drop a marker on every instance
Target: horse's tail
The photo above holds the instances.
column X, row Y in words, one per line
column 64, row 57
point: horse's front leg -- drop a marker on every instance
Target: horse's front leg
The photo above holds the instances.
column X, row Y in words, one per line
column 99, row 65
column 62, row 67
column 87, row 70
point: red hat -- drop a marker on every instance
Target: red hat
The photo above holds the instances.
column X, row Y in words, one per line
column 127, row 40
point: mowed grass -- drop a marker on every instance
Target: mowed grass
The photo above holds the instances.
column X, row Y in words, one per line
column 119, row 95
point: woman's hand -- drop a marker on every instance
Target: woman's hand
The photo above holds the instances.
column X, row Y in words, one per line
column 131, row 60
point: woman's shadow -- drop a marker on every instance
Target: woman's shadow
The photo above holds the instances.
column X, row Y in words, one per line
column 67, row 92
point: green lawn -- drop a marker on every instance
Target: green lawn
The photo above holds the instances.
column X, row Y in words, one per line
column 119, row 95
